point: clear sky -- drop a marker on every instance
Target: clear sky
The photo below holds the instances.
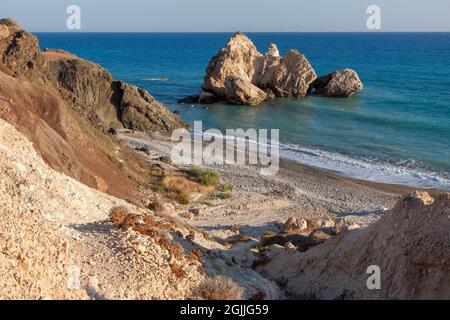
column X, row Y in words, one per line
column 229, row 15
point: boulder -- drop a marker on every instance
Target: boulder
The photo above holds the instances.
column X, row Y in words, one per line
column 207, row 98
column 422, row 195
column 294, row 224
column 238, row 59
column 410, row 244
column 319, row 236
column 342, row 83
column 189, row 99
column 293, row 77
column 204, row 98
column 138, row 110
column 19, row 49
column 84, row 86
column 243, row 92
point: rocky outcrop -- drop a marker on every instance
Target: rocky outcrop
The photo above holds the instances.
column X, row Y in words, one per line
column 204, row 97
column 240, row 91
column 65, row 106
column 19, row 49
column 342, row 83
column 410, row 244
column 88, row 87
column 238, row 59
column 85, row 86
column 239, row 74
column 138, row 110
column 4, row 32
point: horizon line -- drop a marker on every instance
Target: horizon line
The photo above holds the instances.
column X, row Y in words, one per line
column 228, row 32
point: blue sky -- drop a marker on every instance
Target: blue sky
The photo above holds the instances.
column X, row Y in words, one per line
column 229, row 15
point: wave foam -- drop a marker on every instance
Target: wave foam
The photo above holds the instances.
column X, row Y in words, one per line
column 403, row 173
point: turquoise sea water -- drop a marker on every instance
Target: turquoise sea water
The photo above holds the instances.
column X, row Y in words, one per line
column 397, row 130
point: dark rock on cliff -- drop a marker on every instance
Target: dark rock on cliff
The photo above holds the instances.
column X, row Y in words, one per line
column 85, row 86
column 19, row 49
column 65, row 106
column 138, row 110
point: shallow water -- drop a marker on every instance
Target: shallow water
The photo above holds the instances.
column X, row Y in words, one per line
column 397, row 130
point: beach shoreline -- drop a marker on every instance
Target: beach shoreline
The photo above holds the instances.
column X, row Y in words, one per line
column 259, row 203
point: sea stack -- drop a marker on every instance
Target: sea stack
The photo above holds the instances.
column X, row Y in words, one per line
column 240, row 74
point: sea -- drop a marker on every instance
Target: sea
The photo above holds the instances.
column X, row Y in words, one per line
column 396, row 131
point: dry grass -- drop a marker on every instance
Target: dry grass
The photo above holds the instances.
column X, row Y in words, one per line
column 143, row 224
column 195, row 254
column 177, row 270
column 176, row 250
column 218, row 288
column 117, row 215
column 180, row 183
column 180, row 189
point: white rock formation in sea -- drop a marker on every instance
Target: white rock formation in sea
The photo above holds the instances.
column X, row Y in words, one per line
column 237, row 59
column 249, row 73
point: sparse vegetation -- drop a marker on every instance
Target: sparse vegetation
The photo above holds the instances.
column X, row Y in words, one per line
column 177, row 270
column 224, row 195
column 195, row 254
column 205, row 177
column 144, row 224
column 218, row 288
column 229, row 187
column 183, row 198
column 179, row 188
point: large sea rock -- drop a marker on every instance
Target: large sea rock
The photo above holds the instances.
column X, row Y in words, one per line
column 342, row 83
column 255, row 77
column 240, row 74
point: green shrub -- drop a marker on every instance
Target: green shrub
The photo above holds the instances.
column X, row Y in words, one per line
column 205, row 177
column 227, row 187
